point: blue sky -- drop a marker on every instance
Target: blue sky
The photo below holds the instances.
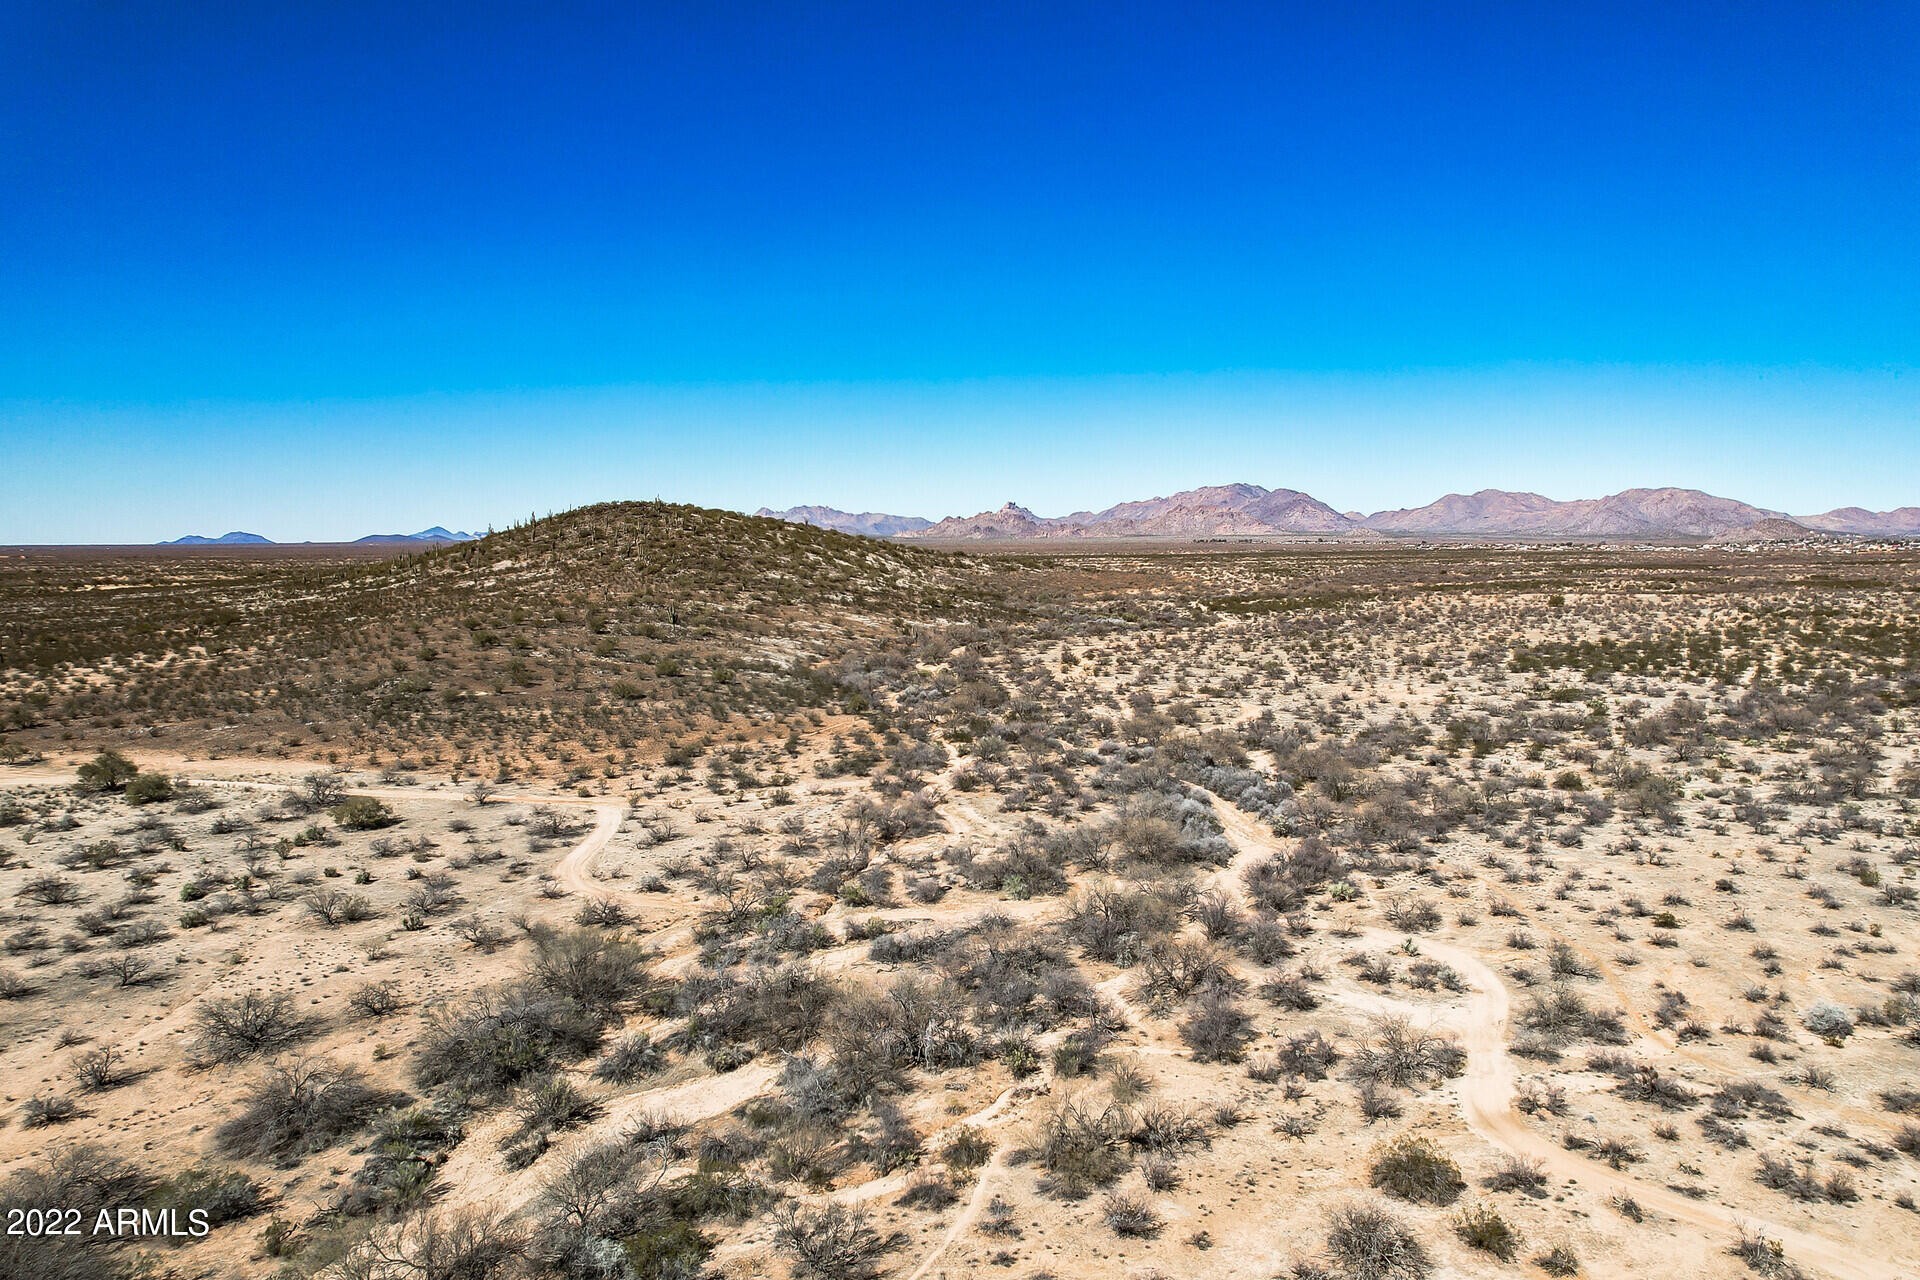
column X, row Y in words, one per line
column 319, row 270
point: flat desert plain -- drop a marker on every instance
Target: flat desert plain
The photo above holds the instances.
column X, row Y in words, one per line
column 656, row 893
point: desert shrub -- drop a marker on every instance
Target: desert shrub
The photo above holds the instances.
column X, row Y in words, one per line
column 1828, row 1020
column 831, row 1242
column 545, row 1106
column 1177, row 967
column 1161, row 1126
column 101, row 1068
column 482, row 934
column 316, row 791
column 916, row 1022
column 1517, row 1173
column 598, row 973
column 1289, row 991
column 468, row 1245
column 1128, row 1213
column 1564, row 962
column 1216, row 1028
column 603, row 1188
column 1266, row 940
column 1481, row 1226
column 1562, row 1016
column 376, row 999
column 85, row 1178
column 633, row 1057
column 1415, row 915
column 128, row 970
column 1394, row 1052
column 1370, row 1243
column 224, row 1195
column 1798, row 1180
column 435, row 895
column 604, row 913
column 49, row 891
column 1765, row 1257
column 1218, row 916
column 902, row 819
column 1378, row 1102
column 496, row 1038
column 399, row 1169
column 1284, row 885
column 1306, row 1055
column 333, row 907
column 297, row 1107
column 1415, row 1169
column 149, row 788
column 774, row 1008
column 928, row 1191
column 234, row 1028
column 362, row 813
column 968, row 1149
column 99, row 855
column 1641, row 1083
column 1118, row 924
column 549, row 823
column 44, row 1109
column 1559, row 1261
column 1080, row 1148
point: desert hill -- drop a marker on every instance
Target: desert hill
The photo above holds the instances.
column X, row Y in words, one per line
column 1901, row 522
column 612, row 625
column 1773, row 529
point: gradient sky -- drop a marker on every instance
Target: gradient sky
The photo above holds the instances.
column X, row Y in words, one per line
column 317, row 271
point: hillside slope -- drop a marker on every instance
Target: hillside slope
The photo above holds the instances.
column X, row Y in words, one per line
column 603, row 628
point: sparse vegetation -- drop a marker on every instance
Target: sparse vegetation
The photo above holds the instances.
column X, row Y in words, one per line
column 935, row 885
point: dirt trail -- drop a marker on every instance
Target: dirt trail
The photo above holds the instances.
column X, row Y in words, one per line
column 575, row 870
column 1491, row 1084
column 968, row 1215
column 475, row 1175
column 1487, row 1092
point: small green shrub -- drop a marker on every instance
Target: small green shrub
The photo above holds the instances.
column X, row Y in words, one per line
column 362, row 813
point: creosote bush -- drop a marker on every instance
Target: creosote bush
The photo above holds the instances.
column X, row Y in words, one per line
column 1413, row 1168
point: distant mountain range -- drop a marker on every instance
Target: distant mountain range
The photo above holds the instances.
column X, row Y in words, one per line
column 1633, row 513
column 1242, row 510
column 435, row 536
column 871, row 523
column 234, row 539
